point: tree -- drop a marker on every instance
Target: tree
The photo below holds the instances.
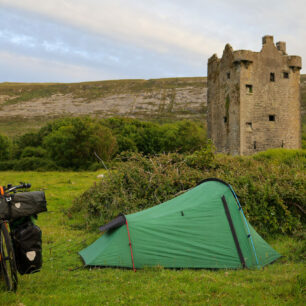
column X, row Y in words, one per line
column 72, row 143
column 5, row 147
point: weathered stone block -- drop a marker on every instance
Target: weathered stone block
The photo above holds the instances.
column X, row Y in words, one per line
column 253, row 99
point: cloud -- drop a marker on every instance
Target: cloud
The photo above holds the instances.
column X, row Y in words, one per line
column 144, row 39
column 123, row 22
column 31, row 68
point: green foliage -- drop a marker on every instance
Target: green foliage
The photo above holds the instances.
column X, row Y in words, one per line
column 153, row 138
column 272, row 193
column 28, row 140
column 202, row 159
column 289, row 157
column 72, row 142
column 5, row 147
column 7, row 165
column 304, row 132
column 33, row 152
column 59, row 283
column 34, row 163
column 139, row 183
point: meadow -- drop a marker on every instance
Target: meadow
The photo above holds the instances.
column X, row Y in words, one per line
column 64, row 281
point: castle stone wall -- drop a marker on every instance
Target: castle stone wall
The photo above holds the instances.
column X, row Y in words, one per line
column 254, row 99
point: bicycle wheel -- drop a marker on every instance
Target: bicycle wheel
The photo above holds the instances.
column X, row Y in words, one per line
column 7, row 260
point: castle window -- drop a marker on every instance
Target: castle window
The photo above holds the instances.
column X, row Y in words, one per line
column 254, row 145
column 272, row 77
column 225, row 119
column 249, row 126
column 228, row 75
column 271, row 117
column 249, row 88
column 286, row 75
column 283, row 144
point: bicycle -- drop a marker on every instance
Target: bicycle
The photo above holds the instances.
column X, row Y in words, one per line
column 8, row 268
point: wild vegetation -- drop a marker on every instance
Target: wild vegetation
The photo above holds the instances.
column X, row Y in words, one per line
column 75, row 143
column 150, row 163
column 270, row 185
column 60, row 283
column 92, row 90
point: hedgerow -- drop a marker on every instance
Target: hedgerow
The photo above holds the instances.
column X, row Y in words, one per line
column 271, row 189
column 75, row 143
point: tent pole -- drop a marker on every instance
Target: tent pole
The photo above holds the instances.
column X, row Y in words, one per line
column 246, row 223
column 127, row 227
column 232, row 227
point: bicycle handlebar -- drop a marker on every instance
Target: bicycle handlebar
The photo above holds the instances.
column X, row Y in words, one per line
column 11, row 188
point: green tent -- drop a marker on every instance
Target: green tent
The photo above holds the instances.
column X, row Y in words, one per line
column 202, row 228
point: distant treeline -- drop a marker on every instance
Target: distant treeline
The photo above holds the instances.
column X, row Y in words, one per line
column 75, row 143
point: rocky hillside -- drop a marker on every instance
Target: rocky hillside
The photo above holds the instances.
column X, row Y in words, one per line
column 162, row 99
column 177, row 98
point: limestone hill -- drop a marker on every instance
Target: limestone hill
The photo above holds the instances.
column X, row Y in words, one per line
column 26, row 106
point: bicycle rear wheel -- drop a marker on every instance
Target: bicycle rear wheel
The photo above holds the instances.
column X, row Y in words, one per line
column 7, row 259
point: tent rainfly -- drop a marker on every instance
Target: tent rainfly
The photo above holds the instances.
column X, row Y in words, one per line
column 203, row 228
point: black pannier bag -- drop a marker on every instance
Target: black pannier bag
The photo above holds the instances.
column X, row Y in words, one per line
column 22, row 204
column 27, row 245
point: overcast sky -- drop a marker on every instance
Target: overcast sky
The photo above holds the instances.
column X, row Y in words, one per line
column 85, row 40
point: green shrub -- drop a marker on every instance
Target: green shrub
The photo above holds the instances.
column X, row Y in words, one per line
column 153, row 138
column 95, row 166
column 5, row 148
column 7, row 165
column 26, row 140
column 203, row 158
column 136, row 184
column 289, row 157
column 73, row 142
column 33, row 152
column 34, row 163
column 272, row 194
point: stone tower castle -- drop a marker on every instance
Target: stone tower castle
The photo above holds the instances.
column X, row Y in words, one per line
column 254, row 99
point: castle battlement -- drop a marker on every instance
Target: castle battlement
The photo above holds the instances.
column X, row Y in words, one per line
column 254, row 99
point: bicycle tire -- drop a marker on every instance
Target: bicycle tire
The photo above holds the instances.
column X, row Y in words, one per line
column 8, row 263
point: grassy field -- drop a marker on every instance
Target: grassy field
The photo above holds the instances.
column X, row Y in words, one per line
column 282, row 283
column 18, row 126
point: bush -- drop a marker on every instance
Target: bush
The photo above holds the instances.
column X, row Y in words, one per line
column 27, row 140
column 34, row 163
column 136, row 184
column 73, row 142
column 153, row 138
column 202, row 159
column 5, row 148
column 7, row 165
column 33, row 152
column 272, row 194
